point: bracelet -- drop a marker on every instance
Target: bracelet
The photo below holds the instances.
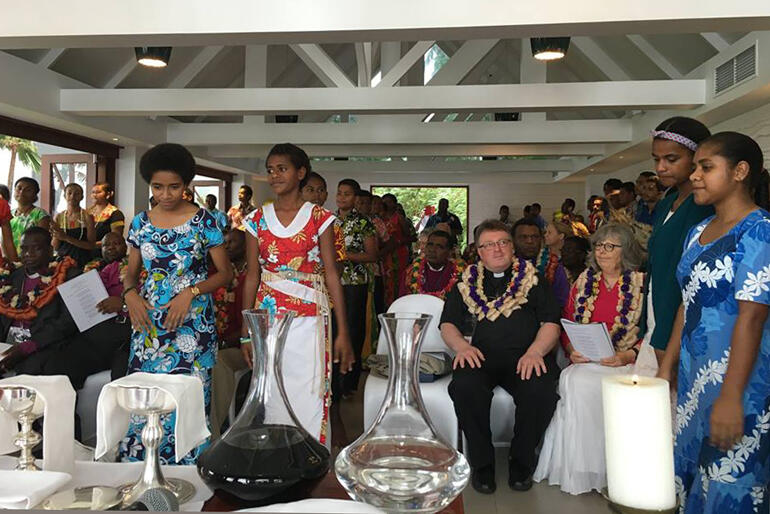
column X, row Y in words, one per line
column 195, row 291
column 125, row 292
column 636, row 351
column 245, row 340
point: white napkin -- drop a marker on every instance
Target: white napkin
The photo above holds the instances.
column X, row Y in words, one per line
column 189, row 429
column 26, row 489
column 646, row 364
column 55, row 392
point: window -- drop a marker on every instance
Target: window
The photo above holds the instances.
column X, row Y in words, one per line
column 416, row 198
column 434, row 59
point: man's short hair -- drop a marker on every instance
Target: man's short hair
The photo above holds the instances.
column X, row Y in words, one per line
column 450, row 239
column 490, row 226
column 353, row 184
column 647, row 174
column 537, row 206
column 629, row 187
column 524, row 222
column 363, row 193
column 613, row 183
column 38, row 231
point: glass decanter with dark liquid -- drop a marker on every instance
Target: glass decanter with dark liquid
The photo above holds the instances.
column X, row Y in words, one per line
column 266, row 453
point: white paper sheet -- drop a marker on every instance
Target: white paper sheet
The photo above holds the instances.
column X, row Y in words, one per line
column 81, row 295
column 590, row 339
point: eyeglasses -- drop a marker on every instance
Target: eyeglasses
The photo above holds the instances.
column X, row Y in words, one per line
column 607, row 247
column 502, row 244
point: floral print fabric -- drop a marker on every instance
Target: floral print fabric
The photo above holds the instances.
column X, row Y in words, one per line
column 714, row 277
column 355, row 228
column 295, row 250
column 175, row 259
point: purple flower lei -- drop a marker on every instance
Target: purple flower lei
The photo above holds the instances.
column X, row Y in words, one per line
column 619, row 330
column 519, row 268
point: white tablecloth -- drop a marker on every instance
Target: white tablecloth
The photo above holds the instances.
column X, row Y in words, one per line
column 117, row 474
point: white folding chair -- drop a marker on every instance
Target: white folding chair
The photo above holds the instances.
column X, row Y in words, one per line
column 435, row 395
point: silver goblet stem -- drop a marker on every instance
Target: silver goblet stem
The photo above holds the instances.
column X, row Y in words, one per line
column 152, row 475
column 25, row 441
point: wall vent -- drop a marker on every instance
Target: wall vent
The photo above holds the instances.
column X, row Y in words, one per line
column 740, row 68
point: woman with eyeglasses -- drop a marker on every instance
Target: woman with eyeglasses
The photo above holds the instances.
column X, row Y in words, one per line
column 609, row 291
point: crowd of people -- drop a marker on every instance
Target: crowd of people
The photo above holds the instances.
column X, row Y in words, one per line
column 675, row 264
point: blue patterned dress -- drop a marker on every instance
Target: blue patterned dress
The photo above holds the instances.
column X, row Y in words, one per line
column 713, row 279
column 175, row 258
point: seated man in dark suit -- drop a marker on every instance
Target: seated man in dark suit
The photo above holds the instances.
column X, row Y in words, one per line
column 45, row 339
column 33, row 317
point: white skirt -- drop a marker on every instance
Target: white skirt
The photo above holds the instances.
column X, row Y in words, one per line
column 304, row 379
column 573, row 448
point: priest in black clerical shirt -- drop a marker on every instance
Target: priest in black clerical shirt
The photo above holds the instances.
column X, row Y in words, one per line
column 511, row 317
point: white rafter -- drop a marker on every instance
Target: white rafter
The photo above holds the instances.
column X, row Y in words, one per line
column 364, row 64
column 407, row 132
column 199, row 62
column 398, row 70
column 647, row 94
column 600, row 58
column 121, row 74
column 715, row 40
column 328, row 72
column 439, row 165
column 656, row 57
column 584, row 150
column 462, row 62
column 94, row 23
column 51, row 57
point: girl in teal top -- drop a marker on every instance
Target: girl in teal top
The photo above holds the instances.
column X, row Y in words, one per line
column 27, row 214
column 673, row 146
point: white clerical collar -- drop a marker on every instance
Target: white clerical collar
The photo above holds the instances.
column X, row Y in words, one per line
column 435, row 269
column 499, row 275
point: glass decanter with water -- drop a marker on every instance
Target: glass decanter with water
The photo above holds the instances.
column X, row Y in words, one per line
column 401, row 464
column 266, row 452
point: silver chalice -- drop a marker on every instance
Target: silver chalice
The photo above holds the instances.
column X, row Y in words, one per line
column 151, row 402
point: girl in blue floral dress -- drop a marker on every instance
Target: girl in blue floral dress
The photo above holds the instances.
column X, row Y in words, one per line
column 173, row 314
column 722, row 448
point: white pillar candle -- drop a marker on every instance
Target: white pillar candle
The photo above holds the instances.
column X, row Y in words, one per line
column 638, row 442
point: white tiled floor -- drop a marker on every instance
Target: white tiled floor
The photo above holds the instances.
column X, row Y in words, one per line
column 542, row 498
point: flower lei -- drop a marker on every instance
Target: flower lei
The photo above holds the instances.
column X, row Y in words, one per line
column 18, row 307
column 471, row 288
column 547, row 263
column 624, row 328
column 416, row 277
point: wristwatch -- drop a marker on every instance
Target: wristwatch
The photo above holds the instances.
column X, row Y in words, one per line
column 195, row 291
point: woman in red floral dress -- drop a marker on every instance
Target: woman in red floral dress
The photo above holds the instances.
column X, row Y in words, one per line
column 290, row 267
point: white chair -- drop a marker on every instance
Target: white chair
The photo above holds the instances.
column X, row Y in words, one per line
column 435, row 395
column 88, row 397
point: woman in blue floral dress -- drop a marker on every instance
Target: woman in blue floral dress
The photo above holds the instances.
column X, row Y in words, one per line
column 173, row 315
column 722, row 448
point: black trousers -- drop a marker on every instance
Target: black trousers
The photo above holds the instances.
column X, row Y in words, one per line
column 102, row 347
column 355, row 309
column 535, row 399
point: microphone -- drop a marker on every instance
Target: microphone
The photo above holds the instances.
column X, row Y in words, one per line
column 155, row 500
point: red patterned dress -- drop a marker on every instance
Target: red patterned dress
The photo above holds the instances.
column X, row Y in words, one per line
column 292, row 279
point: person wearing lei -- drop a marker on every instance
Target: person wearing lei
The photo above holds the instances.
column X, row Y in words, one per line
column 527, row 241
column 33, row 318
column 511, row 321
column 609, row 291
column 550, row 255
column 434, row 273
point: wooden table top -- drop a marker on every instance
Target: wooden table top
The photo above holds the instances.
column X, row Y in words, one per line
column 327, row 487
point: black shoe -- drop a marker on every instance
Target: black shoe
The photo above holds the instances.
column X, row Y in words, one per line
column 520, row 484
column 483, row 480
column 519, row 479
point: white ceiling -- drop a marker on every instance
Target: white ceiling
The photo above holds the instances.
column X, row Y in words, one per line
column 565, row 125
